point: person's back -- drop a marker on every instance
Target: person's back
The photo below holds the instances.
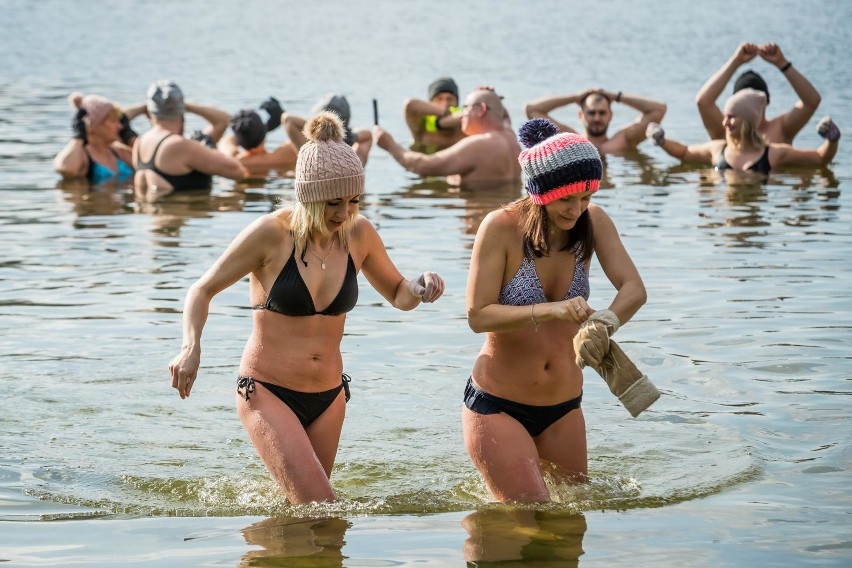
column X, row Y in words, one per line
column 165, row 161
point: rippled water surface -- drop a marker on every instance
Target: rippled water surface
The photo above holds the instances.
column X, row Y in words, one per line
column 745, row 459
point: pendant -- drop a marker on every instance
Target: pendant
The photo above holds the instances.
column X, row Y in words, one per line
column 323, row 265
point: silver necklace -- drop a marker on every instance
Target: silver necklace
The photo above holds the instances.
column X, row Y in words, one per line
column 321, row 258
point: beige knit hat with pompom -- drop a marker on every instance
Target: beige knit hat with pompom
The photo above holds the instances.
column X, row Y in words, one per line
column 327, row 167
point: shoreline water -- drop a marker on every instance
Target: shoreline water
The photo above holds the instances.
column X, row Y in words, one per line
column 708, row 533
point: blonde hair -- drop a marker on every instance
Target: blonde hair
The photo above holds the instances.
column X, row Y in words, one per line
column 308, row 218
column 748, row 138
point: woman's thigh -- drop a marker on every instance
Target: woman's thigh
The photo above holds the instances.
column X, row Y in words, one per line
column 505, row 455
column 284, row 446
column 564, row 445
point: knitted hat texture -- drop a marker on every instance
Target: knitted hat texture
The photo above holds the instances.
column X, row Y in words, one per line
column 747, row 104
column 555, row 164
column 327, row 167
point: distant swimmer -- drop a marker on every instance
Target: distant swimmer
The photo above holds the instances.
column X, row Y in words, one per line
column 99, row 149
column 743, row 148
column 435, row 123
column 167, row 162
column 596, row 115
column 784, row 127
column 247, row 140
column 360, row 140
column 488, row 153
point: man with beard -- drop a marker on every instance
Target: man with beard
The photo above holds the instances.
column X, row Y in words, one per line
column 596, row 114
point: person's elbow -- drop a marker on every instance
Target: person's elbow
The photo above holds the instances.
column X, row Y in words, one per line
column 659, row 112
column 475, row 321
column 531, row 111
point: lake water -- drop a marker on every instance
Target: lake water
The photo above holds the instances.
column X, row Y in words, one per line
column 745, row 460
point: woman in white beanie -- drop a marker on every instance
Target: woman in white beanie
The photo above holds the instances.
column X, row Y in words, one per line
column 303, row 263
column 743, row 149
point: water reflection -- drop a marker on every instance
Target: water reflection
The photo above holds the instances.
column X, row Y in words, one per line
column 295, row 542
column 476, row 202
column 519, row 537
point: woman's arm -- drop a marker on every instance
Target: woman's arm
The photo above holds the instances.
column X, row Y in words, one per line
column 706, row 97
column 700, row 153
column 247, row 252
column 386, row 279
column 618, row 266
column 72, row 161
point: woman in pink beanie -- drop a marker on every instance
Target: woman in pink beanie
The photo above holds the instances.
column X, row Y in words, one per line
column 302, row 263
column 95, row 151
column 743, row 149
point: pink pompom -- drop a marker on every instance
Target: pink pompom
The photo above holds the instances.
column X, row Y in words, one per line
column 76, row 99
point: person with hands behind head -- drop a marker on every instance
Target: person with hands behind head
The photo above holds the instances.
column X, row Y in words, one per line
column 744, row 149
column 488, row 152
column 246, row 143
column 781, row 129
column 95, row 151
column 167, row 162
column 596, row 115
column 302, row 263
column 527, row 291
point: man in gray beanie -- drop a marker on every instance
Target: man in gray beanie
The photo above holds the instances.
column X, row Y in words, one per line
column 360, row 140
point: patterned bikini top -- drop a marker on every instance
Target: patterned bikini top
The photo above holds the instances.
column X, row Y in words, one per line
column 525, row 288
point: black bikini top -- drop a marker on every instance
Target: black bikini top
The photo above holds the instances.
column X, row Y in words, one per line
column 179, row 182
column 290, row 296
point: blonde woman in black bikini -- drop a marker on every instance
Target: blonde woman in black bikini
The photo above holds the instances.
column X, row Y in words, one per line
column 303, row 263
column 744, row 149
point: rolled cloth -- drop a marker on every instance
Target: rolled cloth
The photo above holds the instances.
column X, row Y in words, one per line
column 594, row 348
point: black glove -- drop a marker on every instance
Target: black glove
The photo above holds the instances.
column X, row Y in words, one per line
column 78, row 125
column 205, row 139
column 127, row 134
column 274, row 110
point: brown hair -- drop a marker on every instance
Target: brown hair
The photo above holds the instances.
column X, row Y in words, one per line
column 534, row 227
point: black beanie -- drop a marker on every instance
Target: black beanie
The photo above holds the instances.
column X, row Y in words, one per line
column 248, row 128
column 751, row 80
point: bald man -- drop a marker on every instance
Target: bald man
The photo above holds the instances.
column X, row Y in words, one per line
column 488, row 152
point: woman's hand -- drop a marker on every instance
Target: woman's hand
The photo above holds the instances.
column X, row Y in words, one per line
column 428, row 287
column 183, row 369
column 575, row 309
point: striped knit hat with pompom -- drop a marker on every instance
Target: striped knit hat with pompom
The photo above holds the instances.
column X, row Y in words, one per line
column 556, row 164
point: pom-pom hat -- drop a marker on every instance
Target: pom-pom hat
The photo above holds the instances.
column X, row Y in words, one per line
column 327, row 167
column 556, row 164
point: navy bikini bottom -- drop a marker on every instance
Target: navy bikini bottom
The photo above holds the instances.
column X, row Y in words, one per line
column 536, row 419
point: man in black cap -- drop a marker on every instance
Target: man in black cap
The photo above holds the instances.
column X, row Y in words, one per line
column 435, row 123
column 781, row 129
